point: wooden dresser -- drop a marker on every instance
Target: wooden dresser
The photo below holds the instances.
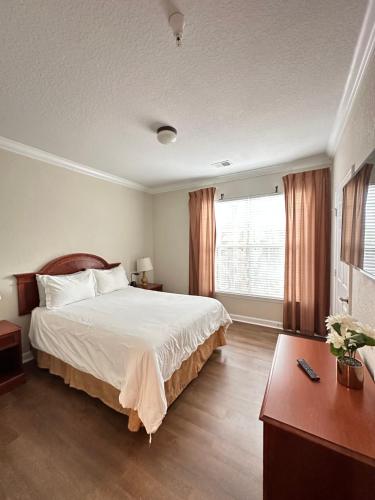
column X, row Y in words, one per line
column 319, row 437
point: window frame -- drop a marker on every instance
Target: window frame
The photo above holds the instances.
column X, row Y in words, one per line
column 249, row 296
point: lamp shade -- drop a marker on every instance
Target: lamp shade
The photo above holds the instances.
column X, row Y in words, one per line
column 144, row 264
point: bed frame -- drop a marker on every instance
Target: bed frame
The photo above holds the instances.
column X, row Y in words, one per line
column 27, row 289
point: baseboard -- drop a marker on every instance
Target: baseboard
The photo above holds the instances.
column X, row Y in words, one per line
column 257, row 321
column 27, row 356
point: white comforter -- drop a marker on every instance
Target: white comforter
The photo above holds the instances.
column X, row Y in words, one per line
column 134, row 339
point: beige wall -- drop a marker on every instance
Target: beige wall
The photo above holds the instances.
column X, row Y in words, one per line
column 47, row 211
column 356, row 144
column 171, row 242
column 267, row 311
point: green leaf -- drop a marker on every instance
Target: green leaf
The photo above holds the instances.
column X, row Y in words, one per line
column 337, row 352
column 361, row 340
column 369, row 340
column 337, row 327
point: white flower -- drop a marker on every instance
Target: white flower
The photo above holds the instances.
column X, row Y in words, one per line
column 335, row 318
column 334, row 338
column 352, row 343
column 341, row 330
column 346, row 323
column 347, row 333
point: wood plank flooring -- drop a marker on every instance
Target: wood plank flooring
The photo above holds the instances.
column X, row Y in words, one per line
column 58, row 443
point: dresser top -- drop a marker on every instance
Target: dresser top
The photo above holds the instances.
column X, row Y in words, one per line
column 325, row 412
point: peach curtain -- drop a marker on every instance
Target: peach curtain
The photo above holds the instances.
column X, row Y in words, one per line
column 354, row 202
column 307, row 251
column 202, row 242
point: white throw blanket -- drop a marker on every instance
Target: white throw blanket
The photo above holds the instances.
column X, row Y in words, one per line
column 133, row 339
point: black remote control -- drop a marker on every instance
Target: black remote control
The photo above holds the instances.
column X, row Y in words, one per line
column 308, row 370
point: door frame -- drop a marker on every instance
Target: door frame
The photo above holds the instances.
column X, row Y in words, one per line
column 337, row 244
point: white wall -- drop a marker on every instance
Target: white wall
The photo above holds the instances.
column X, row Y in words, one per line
column 171, row 240
column 356, row 144
column 47, row 211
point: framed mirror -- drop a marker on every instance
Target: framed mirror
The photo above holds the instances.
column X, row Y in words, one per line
column 358, row 219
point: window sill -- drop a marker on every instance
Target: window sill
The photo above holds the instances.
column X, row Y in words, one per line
column 251, row 297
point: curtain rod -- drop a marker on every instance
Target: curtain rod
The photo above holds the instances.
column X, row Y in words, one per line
column 222, row 196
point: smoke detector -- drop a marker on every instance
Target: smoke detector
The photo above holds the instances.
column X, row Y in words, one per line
column 177, row 23
column 223, row 163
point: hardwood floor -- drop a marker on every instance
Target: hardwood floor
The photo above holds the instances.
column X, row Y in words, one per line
column 58, row 443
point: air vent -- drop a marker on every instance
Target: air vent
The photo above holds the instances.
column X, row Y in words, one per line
column 223, row 163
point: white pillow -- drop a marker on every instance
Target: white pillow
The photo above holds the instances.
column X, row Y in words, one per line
column 41, row 282
column 63, row 290
column 109, row 280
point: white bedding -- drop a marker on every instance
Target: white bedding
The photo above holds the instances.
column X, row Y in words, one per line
column 134, row 339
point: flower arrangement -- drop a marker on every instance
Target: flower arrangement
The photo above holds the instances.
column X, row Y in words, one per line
column 346, row 335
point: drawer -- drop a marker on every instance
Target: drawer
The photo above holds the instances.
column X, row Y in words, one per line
column 9, row 340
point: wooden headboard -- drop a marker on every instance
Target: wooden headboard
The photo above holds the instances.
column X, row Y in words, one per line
column 27, row 289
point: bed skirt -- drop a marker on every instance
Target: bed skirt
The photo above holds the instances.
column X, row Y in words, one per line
column 110, row 395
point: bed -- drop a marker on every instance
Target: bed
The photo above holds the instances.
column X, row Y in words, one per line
column 134, row 349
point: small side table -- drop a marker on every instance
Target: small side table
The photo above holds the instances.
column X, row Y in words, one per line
column 158, row 287
column 11, row 369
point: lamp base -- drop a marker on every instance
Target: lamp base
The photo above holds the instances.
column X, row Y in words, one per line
column 144, row 280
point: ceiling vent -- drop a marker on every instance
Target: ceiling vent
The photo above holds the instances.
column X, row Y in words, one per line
column 223, row 163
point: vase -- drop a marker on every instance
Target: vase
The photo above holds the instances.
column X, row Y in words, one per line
column 350, row 373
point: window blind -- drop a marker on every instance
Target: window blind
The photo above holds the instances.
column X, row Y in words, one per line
column 369, row 243
column 250, row 246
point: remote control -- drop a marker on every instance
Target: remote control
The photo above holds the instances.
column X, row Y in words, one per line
column 308, row 370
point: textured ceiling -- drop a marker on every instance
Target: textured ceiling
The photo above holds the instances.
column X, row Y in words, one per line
column 256, row 82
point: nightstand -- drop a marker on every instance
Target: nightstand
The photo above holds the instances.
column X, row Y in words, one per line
column 11, row 370
column 151, row 286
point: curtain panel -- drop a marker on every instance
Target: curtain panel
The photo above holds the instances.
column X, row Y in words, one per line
column 202, row 239
column 307, row 251
column 353, row 216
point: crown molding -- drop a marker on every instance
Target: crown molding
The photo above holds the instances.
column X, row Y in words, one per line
column 58, row 161
column 316, row 161
column 302, row 164
column 362, row 54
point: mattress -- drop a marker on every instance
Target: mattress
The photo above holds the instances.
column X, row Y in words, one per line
column 133, row 339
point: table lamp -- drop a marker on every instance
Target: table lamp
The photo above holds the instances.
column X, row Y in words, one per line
column 143, row 265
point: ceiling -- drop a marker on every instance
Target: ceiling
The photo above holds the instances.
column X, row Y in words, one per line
column 257, row 82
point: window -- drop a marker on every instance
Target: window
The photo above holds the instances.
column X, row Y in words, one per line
column 250, row 245
column 369, row 228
